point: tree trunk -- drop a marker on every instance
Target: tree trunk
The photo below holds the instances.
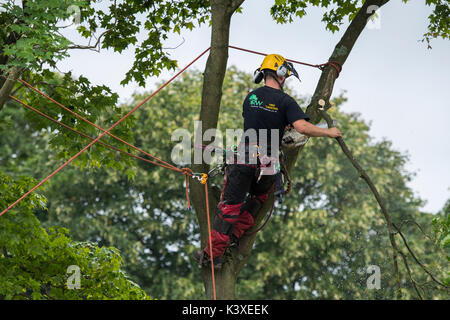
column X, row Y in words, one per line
column 225, row 278
column 7, row 81
column 221, row 13
column 8, row 85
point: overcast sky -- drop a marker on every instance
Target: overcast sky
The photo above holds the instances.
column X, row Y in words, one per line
column 391, row 79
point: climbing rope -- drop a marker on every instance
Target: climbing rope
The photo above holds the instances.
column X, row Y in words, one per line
column 187, row 172
column 336, row 65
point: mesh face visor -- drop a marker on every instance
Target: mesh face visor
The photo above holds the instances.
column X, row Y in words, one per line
column 292, row 70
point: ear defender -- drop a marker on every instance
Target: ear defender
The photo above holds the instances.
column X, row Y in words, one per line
column 282, row 70
column 287, row 69
column 258, row 75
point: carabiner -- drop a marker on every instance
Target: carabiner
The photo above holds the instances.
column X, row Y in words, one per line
column 204, row 178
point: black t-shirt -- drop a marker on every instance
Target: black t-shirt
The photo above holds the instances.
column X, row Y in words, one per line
column 269, row 108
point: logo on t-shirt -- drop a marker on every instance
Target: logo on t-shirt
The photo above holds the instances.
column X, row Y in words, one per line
column 254, row 101
column 271, row 106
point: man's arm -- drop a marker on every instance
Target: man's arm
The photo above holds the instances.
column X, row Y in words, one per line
column 308, row 129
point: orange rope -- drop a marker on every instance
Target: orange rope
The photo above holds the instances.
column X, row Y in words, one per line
column 187, row 192
column 210, row 241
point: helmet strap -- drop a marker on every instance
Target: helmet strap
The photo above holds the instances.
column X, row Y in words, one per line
column 274, row 77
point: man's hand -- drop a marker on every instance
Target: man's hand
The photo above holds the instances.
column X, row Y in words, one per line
column 334, row 133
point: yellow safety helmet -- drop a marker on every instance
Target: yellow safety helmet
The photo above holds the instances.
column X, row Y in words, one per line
column 276, row 63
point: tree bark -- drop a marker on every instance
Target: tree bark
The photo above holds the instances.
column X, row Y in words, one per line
column 7, row 81
column 8, row 85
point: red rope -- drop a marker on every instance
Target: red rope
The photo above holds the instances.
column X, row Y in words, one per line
column 186, row 171
column 336, row 65
column 265, row 54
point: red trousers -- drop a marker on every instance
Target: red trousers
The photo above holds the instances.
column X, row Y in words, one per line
column 237, row 210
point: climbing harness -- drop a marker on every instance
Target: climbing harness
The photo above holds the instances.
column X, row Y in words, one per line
column 266, row 165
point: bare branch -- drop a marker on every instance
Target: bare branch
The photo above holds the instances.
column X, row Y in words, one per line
column 373, row 189
column 400, row 226
column 405, row 261
column 176, row 47
column 382, row 204
column 96, row 47
column 417, row 260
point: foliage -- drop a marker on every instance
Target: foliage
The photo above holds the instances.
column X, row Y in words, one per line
column 34, row 262
column 441, row 226
column 33, row 32
column 161, row 18
column 32, row 37
column 38, row 28
column 284, row 11
column 145, row 218
column 36, row 33
column 439, row 21
column 337, row 11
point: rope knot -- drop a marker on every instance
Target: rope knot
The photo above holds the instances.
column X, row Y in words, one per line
column 186, row 172
column 336, row 65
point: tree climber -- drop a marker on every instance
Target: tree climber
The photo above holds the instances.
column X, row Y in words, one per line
column 266, row 111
